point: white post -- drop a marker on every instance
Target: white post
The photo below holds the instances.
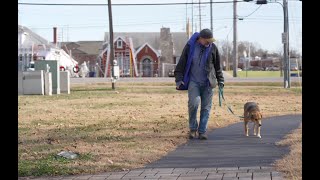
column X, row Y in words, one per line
column 65, row 82
column 163, row 69
column 48, row 83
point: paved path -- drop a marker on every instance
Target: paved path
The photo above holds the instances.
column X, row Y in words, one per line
column 226, row 155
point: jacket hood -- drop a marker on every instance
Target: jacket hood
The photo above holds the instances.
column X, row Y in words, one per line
column 193, row 38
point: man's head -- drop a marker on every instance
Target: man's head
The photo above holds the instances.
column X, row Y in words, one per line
column 206, row 37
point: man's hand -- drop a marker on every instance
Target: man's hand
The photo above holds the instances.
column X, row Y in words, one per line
column 221, row 85
column 178, row 84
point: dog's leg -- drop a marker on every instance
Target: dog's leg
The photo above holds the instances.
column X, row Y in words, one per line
column 255, row 128
column 246, row 128
column 258, row 129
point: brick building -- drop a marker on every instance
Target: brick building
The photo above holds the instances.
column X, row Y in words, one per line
column 83, row 51
column 148, row 61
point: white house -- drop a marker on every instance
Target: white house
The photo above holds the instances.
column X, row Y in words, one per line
column 32, row 47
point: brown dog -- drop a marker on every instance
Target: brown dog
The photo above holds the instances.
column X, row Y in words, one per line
column 252, row 113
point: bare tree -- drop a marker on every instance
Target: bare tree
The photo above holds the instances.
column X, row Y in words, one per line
column 262, row 53
column 225, row 49
column 280, row 53
column 244, row 45
column 294, row 53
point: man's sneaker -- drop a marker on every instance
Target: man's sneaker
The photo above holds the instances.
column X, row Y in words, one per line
column 203, row 136
column 192, row 134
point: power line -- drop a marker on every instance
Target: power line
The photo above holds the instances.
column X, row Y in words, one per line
column 252, row 12
column 133, row 4
column 265, row 20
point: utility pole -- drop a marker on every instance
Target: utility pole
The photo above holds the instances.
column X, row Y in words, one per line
column 285, row 37
column 200, row 15
column 249, row 60
column 186, row 12
column 68, row 33
column 227, row 67
column 192, row 18
column 211, row 23
column 235, row 47
column 111, row 43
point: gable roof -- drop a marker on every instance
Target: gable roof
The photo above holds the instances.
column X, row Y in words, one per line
column 88, row 47
column 32, row 37
column 146, row 44
column 153, row 39
column 119, row 37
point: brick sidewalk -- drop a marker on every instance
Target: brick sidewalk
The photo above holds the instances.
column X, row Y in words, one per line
column 223, row 173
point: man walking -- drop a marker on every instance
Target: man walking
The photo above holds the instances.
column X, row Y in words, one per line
column 199, row 71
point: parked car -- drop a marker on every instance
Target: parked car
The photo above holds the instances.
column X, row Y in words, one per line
column 294, row 68
column 171, row 73
column 256, row 68
column 272, row 68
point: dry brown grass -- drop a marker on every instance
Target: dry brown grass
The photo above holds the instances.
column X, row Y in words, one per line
column 291, row 164
column 123, row 129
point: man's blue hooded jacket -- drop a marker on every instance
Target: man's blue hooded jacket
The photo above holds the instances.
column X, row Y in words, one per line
column 213, row 66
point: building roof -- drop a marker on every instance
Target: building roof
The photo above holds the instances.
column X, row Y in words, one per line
column 146, row 44
column 88, row 47
column 31, row 37
column 153, row 39
column 119, row 37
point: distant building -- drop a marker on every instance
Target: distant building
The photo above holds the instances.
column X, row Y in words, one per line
column 179, row 39
column 32, row 47
column 168, row 44
column 125, row 56
column 83, row 51
column 148, row 60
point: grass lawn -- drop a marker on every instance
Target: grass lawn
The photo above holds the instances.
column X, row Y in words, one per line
column 124, row 129
column 291, row 164
column 258, row 73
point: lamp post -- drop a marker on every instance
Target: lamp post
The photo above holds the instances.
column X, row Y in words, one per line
column 235, row 44
column 285, row 40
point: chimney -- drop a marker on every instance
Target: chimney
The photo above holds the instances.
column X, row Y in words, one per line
column 55, row 35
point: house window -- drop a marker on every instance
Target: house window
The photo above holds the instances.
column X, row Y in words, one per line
column 119, row 43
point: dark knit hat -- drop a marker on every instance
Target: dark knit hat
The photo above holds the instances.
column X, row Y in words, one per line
column 207, row 34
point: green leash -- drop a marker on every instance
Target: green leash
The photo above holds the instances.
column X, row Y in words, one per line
column 221, row 97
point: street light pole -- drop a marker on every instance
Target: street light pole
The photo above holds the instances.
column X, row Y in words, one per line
column 211, row 23
column 285, row 41
column 235, row 47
